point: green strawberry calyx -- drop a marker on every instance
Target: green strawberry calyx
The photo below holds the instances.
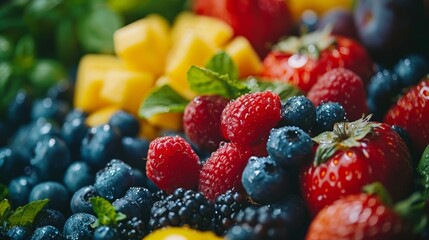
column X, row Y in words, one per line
column 345, row 135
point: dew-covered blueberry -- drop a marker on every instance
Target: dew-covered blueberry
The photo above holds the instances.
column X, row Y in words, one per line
column 78, row 175
column 81, row 200
column 54, row 191
column 114, row 180
column 78, row 226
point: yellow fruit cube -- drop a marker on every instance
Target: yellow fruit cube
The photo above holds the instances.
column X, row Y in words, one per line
column 190, row 50
column 90, row 77
column 126, row 88
column 244, row 56
column 167, row 121
column 148, row 131
column 101, row 116
column 211, row 29
column 143, row 44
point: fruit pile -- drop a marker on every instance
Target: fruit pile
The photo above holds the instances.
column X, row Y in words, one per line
column 216, row 126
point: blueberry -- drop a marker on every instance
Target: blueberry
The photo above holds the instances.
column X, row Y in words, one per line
column 100, row 145
column 51, row 158
column 127, row 207
column 294, row 210
column 140, row 178
column 114, row 180
column 342, row 22
column 11, row 164
column 78, row 175
column 5, row 133
column 106, row 233
column 78, row 226
column 308, row 21
column 264, row 180
column 411, row 69
column 298, row 111
column 327, row 114
column 134, row 151
column 382, row 88
column 48, row 216
column 54, row 191
column 289, row 145
column 18, row 112
column 81, row 200
column 47, row 108
column 126, row 123
column 403, row 134
column 241, row 232
column 62, row 90
column 73, row 132
column 76, row 113
column 19, row 233
column 47, row 233
column 19, row 190
column 143, row 198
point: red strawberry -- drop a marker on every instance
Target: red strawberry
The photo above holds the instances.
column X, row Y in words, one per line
column 411, row 112
column 201, row 121
column 223, row 170
column 171, row 164
column 352, row 155
column 344, row 87
column 248, row 119
column 359, row 216
column 263, row 22
column 302, row 62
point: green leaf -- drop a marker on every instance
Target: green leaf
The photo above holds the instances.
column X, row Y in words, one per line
column 96, row 28
column 25, row 52
column 378, row 189
column 4, row 210
column 205, row 81
column 66, row 42
column 284, row 90
column 3, row 192
column 24, row 215
column 423, row 172
column 106, row 213
column 413, row 209
column 223, row 64
column 162, row 100
column 9, row 85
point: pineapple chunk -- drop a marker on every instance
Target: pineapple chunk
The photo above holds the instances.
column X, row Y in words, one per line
column 244, row 56
column 211, row 29
column 101, row 116
column 126, row 88
column 167, row 121
column 143, row 45
column 90, row 77
column 190, row 50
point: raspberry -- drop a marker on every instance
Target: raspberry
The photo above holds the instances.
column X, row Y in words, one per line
column 201, row 121
column 249, row 119
column 183, row 207
column 171, row 163
column 223, row 170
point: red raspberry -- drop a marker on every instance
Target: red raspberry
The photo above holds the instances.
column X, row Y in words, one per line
column 344, row 87
column 201, row 121
column 171, row 164
column 249, row 119
column 223, row 170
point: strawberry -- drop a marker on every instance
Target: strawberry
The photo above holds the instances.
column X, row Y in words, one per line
column 262, row 22
column 301, row 61
column 223, row 170
column 411, row 112
column 367, row 216
column 352, row 155
column 344, row 87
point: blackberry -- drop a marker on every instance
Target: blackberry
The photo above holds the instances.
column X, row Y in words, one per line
column 265, row 223
column 159, row 195
column 226, row 207
column 183, row 207
column 131, row 229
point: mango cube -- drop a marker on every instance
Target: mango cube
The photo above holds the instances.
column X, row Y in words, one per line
column 190, row 50
column 91, row 73
column 211, row 29
column 143, row 44
column 244, row 56
column 126, row 88
column 101, row 116
column 167, row 121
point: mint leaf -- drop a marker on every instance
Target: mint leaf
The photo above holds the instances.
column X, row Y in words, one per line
column 423, row 172
column 162, row 100
column 25, row 215
column 106, row 213
column 4, row 210
column 284, row 90
column 205, row 81
column 3, row 192
column 223, row 64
